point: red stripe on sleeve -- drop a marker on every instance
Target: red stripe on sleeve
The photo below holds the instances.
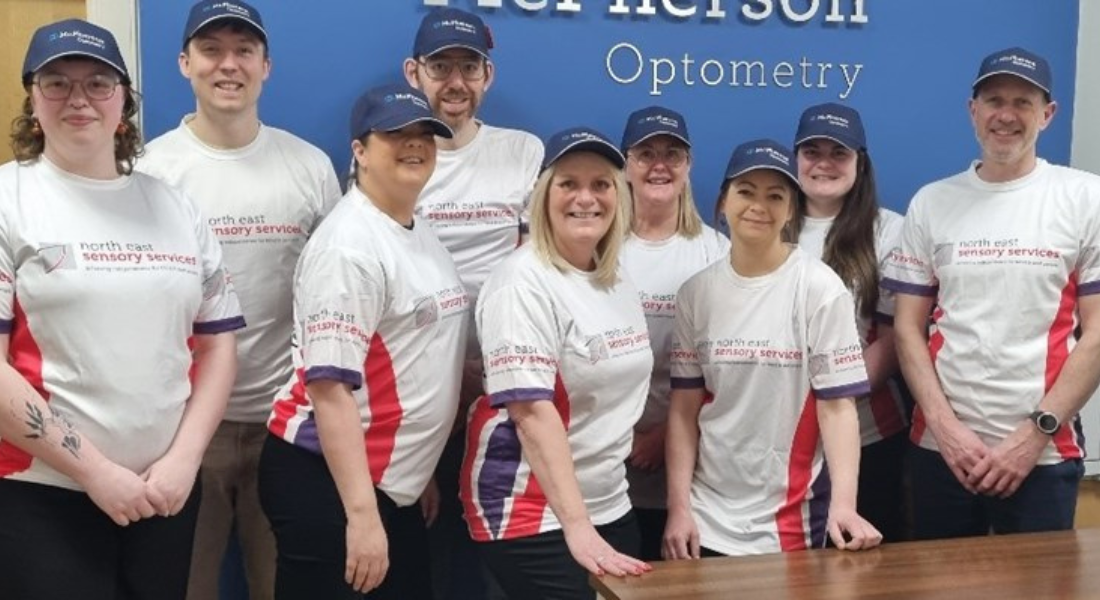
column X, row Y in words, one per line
column 1058, row 350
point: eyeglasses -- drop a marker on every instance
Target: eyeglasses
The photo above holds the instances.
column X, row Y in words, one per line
column 440, row 69
column 55, row 86
column 673, row 157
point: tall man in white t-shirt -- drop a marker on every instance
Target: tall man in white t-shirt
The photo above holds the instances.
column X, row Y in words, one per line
column 263, row 191
column 476, row 201
column 1004, row 258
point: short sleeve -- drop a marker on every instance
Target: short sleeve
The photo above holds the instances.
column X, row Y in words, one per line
column 686, row 370
column 7, row 272
column 330, row 192
column 520, row 344
column 220, row 310
column 1088, row 258
column 888, row 236
column 340, row 297
column 835, row 352
column 910, row 268
column 533, row 164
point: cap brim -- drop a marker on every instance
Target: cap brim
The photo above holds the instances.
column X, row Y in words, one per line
column 849, row 144
column 118, row 68
column 652, row 134
column 439, row 128
column 1014, row 74
column 214, row 19
column 770, row 167
column 460, row 45
column 602, row 148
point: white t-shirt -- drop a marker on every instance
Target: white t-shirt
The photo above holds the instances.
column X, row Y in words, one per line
column 765, row 349
column 477, row 199
column 547, row 335
column 881, row 414
column 1006, row 263
column 103, row 284
column 262, row 201
column 658, row 269
column 380, row 308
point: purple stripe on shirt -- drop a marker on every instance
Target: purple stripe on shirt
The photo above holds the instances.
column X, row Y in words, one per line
column 331, row 373
column 307, row 436
column 688, row 383
column 821, row 491
column 497, row 476
column 519, row 395
column 5, row 326
column 913, row 289
column 860, row 388
column 219, row 326
column 1087, row 289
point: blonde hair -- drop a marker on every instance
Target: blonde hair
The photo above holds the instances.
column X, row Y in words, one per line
column 606, row 273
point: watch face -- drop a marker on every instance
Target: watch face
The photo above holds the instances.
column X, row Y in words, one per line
column 1047, row 422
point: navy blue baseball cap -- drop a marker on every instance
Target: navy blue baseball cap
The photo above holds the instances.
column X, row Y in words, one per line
column 1017, row 62
column 581, row 139
column 762, row 154
column 445, row 28
column 391, row 107
column 654, row 120
column 832, row 121
column 73, row 37
column 210, row 11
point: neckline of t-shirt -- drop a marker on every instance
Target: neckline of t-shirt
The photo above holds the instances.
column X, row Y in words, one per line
column 102, row 185
column 653, row 245
column 1041, row 166
column 763, row 280
column 222, row 153
column 376, row 212
column 459, row 152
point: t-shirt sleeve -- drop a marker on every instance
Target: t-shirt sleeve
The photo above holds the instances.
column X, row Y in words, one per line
column 1088, row 259
column 888, row 237
column 330, row 191
column 686, row 370
column 520, row 344
column 835, row 352
column 340, row 296
column 533, row 165
column 220, row 310
column 7, row 273
column 910, row 268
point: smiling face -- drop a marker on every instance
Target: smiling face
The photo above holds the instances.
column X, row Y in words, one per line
column 757, row 205
column 454, row 100
column 657, row 169
column 398, row 162
column 78, row 129
column 581, row 205
column 1008, row 114
column 227, row 67
column 827, row 171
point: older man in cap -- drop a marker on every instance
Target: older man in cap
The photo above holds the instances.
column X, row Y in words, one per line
column 1004, row 258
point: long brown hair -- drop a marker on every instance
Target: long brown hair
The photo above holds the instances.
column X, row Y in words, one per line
column 850, row 243
column 27, row 144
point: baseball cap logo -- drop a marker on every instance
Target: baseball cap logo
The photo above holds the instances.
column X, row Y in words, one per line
column 401, row 97
column 665, row 120
column 458, row 25
column 1016, row 60
column 229, row 7
column 834, row 120
column 771, row 152
column 80, row 37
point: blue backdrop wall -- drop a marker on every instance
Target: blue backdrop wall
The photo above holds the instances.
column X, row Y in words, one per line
column 737, row 69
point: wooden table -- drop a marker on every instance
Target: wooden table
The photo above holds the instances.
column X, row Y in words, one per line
column 1025, row 566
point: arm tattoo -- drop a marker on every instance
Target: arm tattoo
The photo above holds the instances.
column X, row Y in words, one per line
column 39, row 427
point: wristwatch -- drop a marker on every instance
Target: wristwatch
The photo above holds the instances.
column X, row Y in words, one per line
column 1045, row 421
